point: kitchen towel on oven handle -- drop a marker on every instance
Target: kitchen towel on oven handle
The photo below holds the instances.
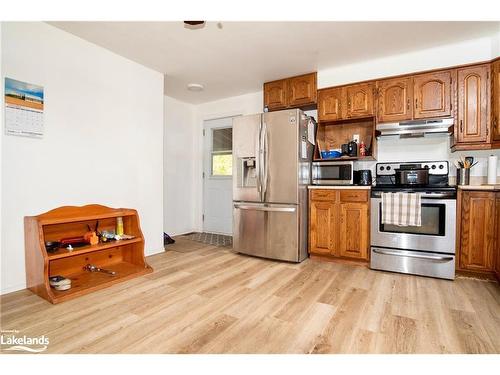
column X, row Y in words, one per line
column 402, row 209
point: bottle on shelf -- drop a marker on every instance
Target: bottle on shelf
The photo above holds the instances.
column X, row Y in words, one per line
column 362, row 149
column 119, row 226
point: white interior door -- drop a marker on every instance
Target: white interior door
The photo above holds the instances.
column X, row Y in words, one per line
column 218, row 179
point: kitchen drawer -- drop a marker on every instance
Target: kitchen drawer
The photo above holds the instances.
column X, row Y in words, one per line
column 324, row 195
column 354, row 195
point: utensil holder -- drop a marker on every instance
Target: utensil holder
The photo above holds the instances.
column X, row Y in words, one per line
column 463, row 176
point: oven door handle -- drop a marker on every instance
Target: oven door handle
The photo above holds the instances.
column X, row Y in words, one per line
column 424, row 195
column 427, row 257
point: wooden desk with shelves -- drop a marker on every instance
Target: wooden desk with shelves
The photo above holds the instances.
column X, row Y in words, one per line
column 125, row 257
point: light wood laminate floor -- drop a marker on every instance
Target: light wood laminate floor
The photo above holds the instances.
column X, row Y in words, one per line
column 205, row 299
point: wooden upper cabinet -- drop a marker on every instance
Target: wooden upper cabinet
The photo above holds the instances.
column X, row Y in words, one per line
column 477, row 231
column 495, row 101
column 293, row 92
column 473, row 116
column 395, row 100
column 302, row 90
column 275, row 94
column 330, row 104
column 432, row 95
column 359, row 100
column 354, row 230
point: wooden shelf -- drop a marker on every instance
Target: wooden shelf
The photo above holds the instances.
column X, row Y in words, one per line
column 347, row 158
column 67, row 218
column 63, row 253
column 331, row 136
column 85, row 282
column 125, row 257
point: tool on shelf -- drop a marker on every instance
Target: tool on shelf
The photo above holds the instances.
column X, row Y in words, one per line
column 93, row 268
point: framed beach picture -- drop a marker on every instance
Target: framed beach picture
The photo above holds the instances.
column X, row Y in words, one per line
column 23, row 108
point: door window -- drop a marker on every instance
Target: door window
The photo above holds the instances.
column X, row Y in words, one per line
column 222, row 152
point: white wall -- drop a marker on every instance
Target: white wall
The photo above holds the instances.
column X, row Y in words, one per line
column 1, row 148
column 179, row 163
column 466, row 52
column 103, row 137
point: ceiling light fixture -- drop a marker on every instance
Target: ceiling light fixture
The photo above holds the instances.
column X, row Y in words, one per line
column 194, row 25
column 195, row 87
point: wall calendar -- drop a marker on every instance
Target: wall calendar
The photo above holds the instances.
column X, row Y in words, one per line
column 23, row 108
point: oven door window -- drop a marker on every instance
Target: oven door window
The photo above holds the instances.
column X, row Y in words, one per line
column 433, row 222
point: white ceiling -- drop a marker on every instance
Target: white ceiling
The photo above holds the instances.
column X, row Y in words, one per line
column 238, row 58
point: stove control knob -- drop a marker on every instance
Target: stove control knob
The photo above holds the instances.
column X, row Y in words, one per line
column 382, row 168
column 426, row 166
column 388, row 167
column 441, row 166
column 433, row 167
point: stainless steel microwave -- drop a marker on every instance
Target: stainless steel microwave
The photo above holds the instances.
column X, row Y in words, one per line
column 333, row 173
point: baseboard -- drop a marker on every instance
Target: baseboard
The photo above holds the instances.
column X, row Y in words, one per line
column 181, row 233
column 12, row 289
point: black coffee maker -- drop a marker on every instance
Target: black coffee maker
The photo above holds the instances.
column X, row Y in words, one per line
column 352, row 149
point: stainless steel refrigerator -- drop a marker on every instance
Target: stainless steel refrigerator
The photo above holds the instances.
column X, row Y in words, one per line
column 272, row 167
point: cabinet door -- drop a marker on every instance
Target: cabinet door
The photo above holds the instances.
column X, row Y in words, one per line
column 495, row 101
column 354, row 230
column 477, row 231
column 432, row 95
column 359, row 100
column 497, row 234
column 302, row 90
column 473, row 117
column 321, row 227
column 395, row 98
column 275, row 94
column 330, row 104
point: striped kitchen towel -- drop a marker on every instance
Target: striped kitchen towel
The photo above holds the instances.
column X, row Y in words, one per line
column 402, row 209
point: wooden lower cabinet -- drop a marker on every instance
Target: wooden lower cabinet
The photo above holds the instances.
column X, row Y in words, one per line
column 339, row 223
column 322, row 227
column 354, row 230
column 478, row 237
column 497, row 252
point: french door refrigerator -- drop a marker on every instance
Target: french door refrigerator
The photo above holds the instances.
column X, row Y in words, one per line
column 272, row 164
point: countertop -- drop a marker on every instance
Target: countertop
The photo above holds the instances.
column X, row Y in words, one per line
column 480, row 187
column 338, row 187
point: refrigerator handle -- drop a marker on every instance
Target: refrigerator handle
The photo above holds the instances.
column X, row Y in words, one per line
column 257, row 159
column 264, row 208
column 265, row 169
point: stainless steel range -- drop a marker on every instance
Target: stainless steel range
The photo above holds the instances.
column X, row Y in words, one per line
column 429, row 249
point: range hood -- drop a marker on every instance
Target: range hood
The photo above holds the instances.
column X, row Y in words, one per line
column 415, row 128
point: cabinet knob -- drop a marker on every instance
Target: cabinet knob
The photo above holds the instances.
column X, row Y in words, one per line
column 461, row 126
